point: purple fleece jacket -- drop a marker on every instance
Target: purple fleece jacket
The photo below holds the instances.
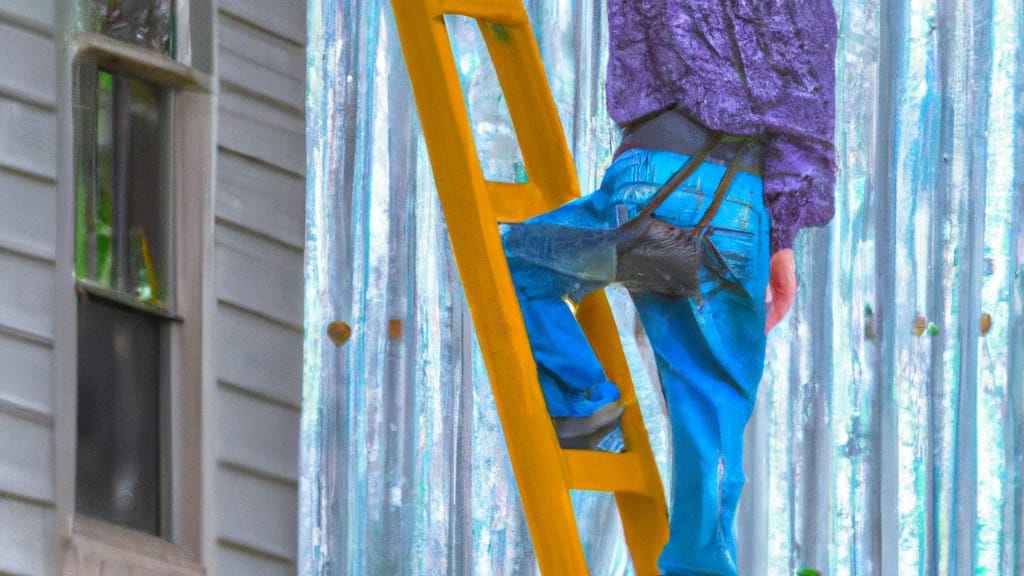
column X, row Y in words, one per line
column 751, row 67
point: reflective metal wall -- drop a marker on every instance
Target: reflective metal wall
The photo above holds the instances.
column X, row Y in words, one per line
column 890, row 430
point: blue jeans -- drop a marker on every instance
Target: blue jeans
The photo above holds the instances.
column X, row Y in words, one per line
column 709, row 351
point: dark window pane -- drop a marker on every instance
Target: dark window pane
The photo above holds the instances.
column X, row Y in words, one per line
column 148, row 23
column 119, row 372
column 123, row 219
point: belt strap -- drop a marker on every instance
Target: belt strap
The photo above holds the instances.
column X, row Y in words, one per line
column 687, row 170
column 674, row 131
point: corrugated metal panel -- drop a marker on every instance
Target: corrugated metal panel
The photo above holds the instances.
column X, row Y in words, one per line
column 887, row 438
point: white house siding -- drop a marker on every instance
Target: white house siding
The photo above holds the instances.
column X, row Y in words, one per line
column 260, row 192
column 28, row 166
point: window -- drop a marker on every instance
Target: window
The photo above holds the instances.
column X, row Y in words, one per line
column 122, row 197
column 121, row 263
column 147, row 23
column 142, row 189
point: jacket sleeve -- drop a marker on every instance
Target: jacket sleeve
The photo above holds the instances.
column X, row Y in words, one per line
column 799, row 186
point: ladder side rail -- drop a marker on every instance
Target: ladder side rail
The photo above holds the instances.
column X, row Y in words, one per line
column 549, row 165
column 505, row 27
column 534, row 453
column 644, row 514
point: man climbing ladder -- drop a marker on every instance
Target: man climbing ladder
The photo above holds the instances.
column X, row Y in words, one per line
column 680, row 73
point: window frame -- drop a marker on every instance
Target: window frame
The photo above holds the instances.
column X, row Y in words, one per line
column 87, row 70
column 187, row 416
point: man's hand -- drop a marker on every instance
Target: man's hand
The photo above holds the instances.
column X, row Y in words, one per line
column 781, row 288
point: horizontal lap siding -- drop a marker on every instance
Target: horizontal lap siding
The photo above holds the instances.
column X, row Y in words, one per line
column 257, row 513
column 258, row 355
column 239, row 561
column 28, row 61
column 26, row 464
column 27, row 216
column 259, row 243
column 28, row 141
column 26, row 295
column 257, row 435
column 37, row 15
column 28, row 168
column 27, row 374
column 285, row 19
column 259, row 275
column 259, row 130
column 261, row 198
column 26, row 534
column 264, row 65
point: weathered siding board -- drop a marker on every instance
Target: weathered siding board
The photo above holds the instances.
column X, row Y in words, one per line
column 26, row 374
column 262, row 64
column 260, row 237
column 26, row 294
column 27, row 214
column 262, row 131
column 232, row 561
column 28, row 140
column 26, row 464
column 257, row 435
column 36, row 14
column 286, row 18
column 26, row 538
column 28, row 61
column 259, row 275
column 257, row 513
column 261, row 198
column 259, row 355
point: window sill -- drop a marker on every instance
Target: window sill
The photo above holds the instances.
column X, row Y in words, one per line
column 140, row 62
column 88, row 288
column 97, row 548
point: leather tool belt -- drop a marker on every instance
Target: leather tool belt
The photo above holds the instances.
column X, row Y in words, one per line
column 644, row 253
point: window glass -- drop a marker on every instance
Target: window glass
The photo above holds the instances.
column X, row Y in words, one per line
column 118, row 455
column 122, row 263
column 121, row 240
column 148, row 23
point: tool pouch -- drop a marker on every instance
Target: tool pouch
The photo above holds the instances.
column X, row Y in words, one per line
column 655, row 256
column 644, row 254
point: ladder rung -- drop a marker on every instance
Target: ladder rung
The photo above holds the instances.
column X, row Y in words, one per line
column 496, row 11
column 604, row 472
column 515, row 202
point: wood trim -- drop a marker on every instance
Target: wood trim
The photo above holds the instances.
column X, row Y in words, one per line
column 94, row 543
column 190, row 540
column 141, row 63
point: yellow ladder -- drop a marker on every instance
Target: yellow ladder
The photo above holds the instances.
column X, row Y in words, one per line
column 472, row 206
